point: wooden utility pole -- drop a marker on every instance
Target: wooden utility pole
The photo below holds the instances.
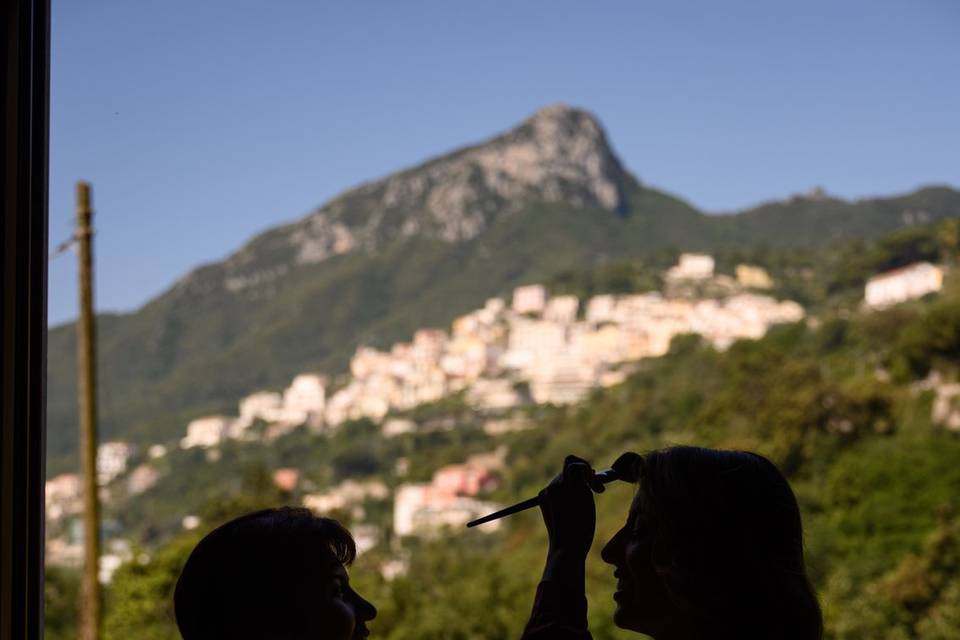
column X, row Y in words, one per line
column 87, row 369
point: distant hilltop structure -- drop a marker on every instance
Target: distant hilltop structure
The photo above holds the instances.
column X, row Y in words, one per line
column 815, row 194
column 905, row 283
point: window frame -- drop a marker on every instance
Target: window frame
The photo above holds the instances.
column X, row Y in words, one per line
column 24, row 170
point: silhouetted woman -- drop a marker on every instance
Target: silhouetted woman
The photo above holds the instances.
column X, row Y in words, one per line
column 276, row 574
column 712, row 548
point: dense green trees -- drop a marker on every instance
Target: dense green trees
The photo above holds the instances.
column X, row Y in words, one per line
column 835, row 403
column 140, row 602
column 61, row 595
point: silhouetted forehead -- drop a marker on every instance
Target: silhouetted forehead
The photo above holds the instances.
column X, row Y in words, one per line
column 310, row 561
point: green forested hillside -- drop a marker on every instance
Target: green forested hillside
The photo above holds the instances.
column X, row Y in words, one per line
column 384, row 259
column 842, row 404
column 183, row 355
column 816, row 220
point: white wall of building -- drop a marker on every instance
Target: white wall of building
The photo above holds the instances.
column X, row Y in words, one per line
column 112, row 460
column 206, row 432
column 899, row 285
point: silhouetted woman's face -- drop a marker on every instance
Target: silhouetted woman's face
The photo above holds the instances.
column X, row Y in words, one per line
column 712, row 548
column 342, row 613
column 274, row 573
column 642, row 602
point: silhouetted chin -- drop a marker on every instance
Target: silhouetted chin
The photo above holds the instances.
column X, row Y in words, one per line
column 620, row 615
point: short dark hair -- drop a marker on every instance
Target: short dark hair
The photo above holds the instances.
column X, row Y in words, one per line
column 728, row 543
column 257, row 575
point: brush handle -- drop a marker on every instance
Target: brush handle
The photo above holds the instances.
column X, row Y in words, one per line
column 606, row 476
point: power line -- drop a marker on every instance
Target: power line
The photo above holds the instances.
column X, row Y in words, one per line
column 63, row 247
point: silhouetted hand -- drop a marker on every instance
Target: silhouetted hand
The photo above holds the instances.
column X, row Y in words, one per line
column 569, row 512
column 627, row 466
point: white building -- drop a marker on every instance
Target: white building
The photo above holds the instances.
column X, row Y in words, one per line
column 453, row 514
column 753, row 277
column 563, row 379
column 340, row 407
column 610, row 344
column 118, row 551
column 347, row 494
column 912, row 281
column 466, row 358
column 394, row 568
column 421, row 509
column 156, row 451
column 408, row 499
column 529, row 299
column 366, row 361
column 63, row 552
column 492, row 308
column 208, row 431
column 494, row 394
column 262, row 405
column 397, row 426
column 601, row 309
column 304, row 401
column 533, row 341
column 427, row 346
column 62, row 495
column 946, row 406
column 449, row 500
column 692, row 266
column 109, row 563
column 562, row 309
column 365, row 536
column 112, row 460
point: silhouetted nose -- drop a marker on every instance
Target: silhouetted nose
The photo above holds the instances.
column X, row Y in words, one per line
column 612, row 552
column 364, row 609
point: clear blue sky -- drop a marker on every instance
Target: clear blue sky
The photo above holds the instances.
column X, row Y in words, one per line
column 202, row 123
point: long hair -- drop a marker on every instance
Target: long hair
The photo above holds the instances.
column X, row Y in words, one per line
column 728, row 543
column 256, row 576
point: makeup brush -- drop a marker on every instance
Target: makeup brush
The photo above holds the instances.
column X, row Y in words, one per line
column 606, row 476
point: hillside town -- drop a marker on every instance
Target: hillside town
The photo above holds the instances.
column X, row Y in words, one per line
column 535, row 348
column 531, row 349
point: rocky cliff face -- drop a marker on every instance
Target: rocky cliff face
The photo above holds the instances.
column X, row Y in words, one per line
column 559, row 154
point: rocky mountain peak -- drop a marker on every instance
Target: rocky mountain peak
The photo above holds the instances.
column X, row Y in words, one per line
column 558, row 123
column 559, row 154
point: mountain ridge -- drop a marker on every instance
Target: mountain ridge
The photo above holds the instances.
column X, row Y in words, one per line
column 502, row 213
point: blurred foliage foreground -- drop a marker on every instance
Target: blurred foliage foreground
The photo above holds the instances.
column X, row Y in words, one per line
column 843, row 405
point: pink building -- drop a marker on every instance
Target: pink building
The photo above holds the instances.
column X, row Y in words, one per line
column 286, row 479
column 463, row 480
